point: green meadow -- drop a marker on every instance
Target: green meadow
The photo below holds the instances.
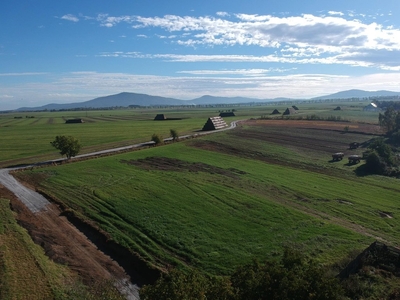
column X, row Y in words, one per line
column 25, row 137
column 188, row 205
column 217, row 201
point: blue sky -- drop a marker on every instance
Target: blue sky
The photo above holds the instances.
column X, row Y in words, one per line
column 73, row 51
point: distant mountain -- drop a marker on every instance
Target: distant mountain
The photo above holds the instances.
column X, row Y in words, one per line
column 134, row 99
column 127, row 99
column 122, row 99
column 357, row 94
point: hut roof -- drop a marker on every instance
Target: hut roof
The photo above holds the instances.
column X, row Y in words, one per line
column 214, row 123
column 295, row 107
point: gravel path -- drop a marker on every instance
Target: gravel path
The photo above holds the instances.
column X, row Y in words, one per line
column 33, row 200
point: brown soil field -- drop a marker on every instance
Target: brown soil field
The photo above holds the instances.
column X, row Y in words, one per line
column 321, row 125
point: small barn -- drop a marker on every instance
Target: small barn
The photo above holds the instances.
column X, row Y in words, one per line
column 275, row 112
column 214, row 123
column 74, row 121
column 371, row 107
column 289, row 111
column 227, row 114
column 160, row 117
column 295, row 107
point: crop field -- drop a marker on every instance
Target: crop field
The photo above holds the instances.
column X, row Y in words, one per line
column 221, row 200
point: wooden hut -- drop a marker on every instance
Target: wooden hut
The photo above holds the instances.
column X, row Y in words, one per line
column 74, row 121
column 214, row 123
column 227, row 114
column 295, row 107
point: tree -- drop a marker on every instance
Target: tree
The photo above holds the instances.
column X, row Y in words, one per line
column 157, row 139
column 174, row 134
column 68, row 145
column 390, row 119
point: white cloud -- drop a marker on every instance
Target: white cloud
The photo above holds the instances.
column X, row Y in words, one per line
column 222, row 14
column 338, row 13
column 242, row 72
column 323, row 38
column 70, row 17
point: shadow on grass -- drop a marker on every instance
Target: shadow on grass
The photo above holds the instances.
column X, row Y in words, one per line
column 362, row 171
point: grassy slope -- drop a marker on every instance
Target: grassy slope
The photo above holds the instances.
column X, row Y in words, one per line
column 25, row 272
column 215, row 222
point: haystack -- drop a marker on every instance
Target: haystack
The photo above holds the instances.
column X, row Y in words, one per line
column 214, row 123
column 275, row 112
column 290, row 111
column 160, row 117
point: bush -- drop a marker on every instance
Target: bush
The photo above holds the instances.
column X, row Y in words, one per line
column 293, row 277
column 157, row 139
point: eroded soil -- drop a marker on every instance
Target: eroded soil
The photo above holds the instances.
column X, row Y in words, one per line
column 65, row 244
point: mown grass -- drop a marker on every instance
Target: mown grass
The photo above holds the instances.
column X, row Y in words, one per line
column 216, row 221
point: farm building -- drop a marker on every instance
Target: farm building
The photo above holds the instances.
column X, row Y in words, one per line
column 295, row 107
column 214, row 123
column 289, row 111
column 160, row 117
column 74, row 121
column 227, row 114
column 371, row 107
column 275, row 112
column 338, row 108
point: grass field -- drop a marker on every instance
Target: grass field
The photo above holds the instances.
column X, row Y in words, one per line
column 219, row 201
column 26, row 137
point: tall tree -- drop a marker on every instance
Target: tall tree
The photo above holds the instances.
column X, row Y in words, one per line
column 68, row 145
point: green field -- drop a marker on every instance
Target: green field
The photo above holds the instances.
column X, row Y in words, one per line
column 214, row 203
column 26, row 137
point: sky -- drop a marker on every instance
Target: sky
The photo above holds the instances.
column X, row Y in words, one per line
column 74, row 51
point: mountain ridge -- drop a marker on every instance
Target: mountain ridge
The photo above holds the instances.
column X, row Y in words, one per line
column 126, row 99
